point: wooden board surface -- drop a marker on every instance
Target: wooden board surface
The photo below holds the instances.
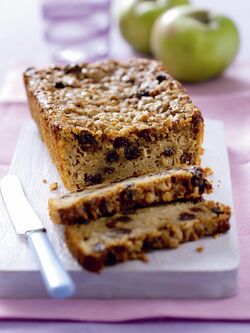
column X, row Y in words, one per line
column 169, row 273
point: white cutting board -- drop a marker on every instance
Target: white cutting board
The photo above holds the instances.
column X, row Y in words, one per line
column 180, row 273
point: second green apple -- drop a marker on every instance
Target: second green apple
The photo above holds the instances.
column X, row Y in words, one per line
column 194, row 44
column 137, row 18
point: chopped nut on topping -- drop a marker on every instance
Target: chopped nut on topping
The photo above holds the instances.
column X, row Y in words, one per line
column 53, row 186
column 45, row 181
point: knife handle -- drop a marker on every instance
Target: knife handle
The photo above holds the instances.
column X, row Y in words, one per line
column 57, row 280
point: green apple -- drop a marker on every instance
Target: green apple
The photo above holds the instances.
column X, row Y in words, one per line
column 194, row 44
column 137, row 18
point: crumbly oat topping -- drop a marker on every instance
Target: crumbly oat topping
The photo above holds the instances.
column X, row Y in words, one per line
column 110, row 98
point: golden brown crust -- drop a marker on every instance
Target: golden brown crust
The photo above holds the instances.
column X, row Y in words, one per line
column 91, row 204
column 129, row 236
column 117, row 114
column 110, row 98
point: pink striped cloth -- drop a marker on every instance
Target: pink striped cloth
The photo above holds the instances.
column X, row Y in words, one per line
column 226, row 98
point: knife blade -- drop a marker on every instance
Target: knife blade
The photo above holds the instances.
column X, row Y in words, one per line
column 25, row 221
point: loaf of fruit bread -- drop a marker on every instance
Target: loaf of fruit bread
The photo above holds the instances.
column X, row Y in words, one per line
column 123, row 237
column 106, row 200
column 108, row 121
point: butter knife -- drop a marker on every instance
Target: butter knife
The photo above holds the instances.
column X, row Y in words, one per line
column 57, row 281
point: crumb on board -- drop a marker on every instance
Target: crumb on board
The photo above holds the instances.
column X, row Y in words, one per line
column 144, row 257
column 200, row 249
column 45, row 181
column 216, row 236
column 53, row 186
column 208, row 171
